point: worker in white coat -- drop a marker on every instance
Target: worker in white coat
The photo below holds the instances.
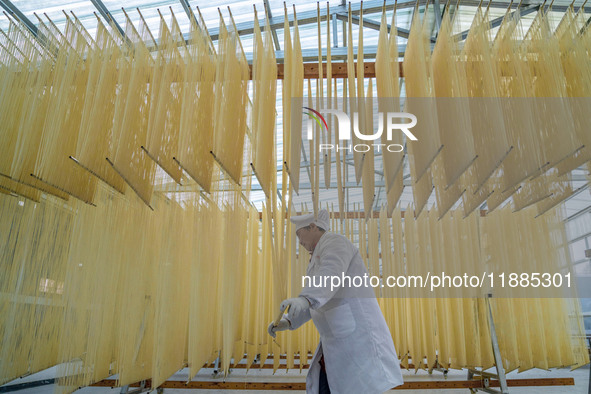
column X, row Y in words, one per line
column 356, row 353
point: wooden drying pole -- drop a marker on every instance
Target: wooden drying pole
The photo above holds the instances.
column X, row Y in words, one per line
column 339, row 70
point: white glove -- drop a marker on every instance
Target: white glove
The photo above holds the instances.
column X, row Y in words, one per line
column 296, row 306
column 282, row 326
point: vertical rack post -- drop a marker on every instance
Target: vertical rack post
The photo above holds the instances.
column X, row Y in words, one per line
column 500, row 375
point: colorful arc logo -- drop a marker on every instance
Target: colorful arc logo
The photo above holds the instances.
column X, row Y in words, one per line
column 315, row 116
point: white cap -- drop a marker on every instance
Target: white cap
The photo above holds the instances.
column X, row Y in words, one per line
column 305, row 220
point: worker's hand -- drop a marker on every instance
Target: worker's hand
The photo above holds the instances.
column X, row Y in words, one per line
column 282, row 326
column 296, row 305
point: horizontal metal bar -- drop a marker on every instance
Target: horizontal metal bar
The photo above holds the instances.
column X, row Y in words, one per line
column 336, row 53
column 257, row 188
column 26, row 386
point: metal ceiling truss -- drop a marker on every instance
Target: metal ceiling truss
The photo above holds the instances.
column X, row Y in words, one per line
column 339, row 12
column 369, row 7
column 98, row 4
column 497, row 22
column 15, row 12
column 369, row 23
column 189, row 11
column 273, row 31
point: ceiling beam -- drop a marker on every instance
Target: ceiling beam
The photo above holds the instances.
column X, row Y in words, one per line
column 497, row 21
column 98, row 4
column 189, row 11
column 370, row 23
column 309, row 17
column 14, row 11
column 369, row 7
column 437, row 11
column 273, row 31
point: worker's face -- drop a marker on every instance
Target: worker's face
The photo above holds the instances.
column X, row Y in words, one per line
column 308, row 237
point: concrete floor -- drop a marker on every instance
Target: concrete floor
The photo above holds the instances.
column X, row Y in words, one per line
column 581, row 377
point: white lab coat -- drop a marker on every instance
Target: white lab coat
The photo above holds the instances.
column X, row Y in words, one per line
column 358, row 350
